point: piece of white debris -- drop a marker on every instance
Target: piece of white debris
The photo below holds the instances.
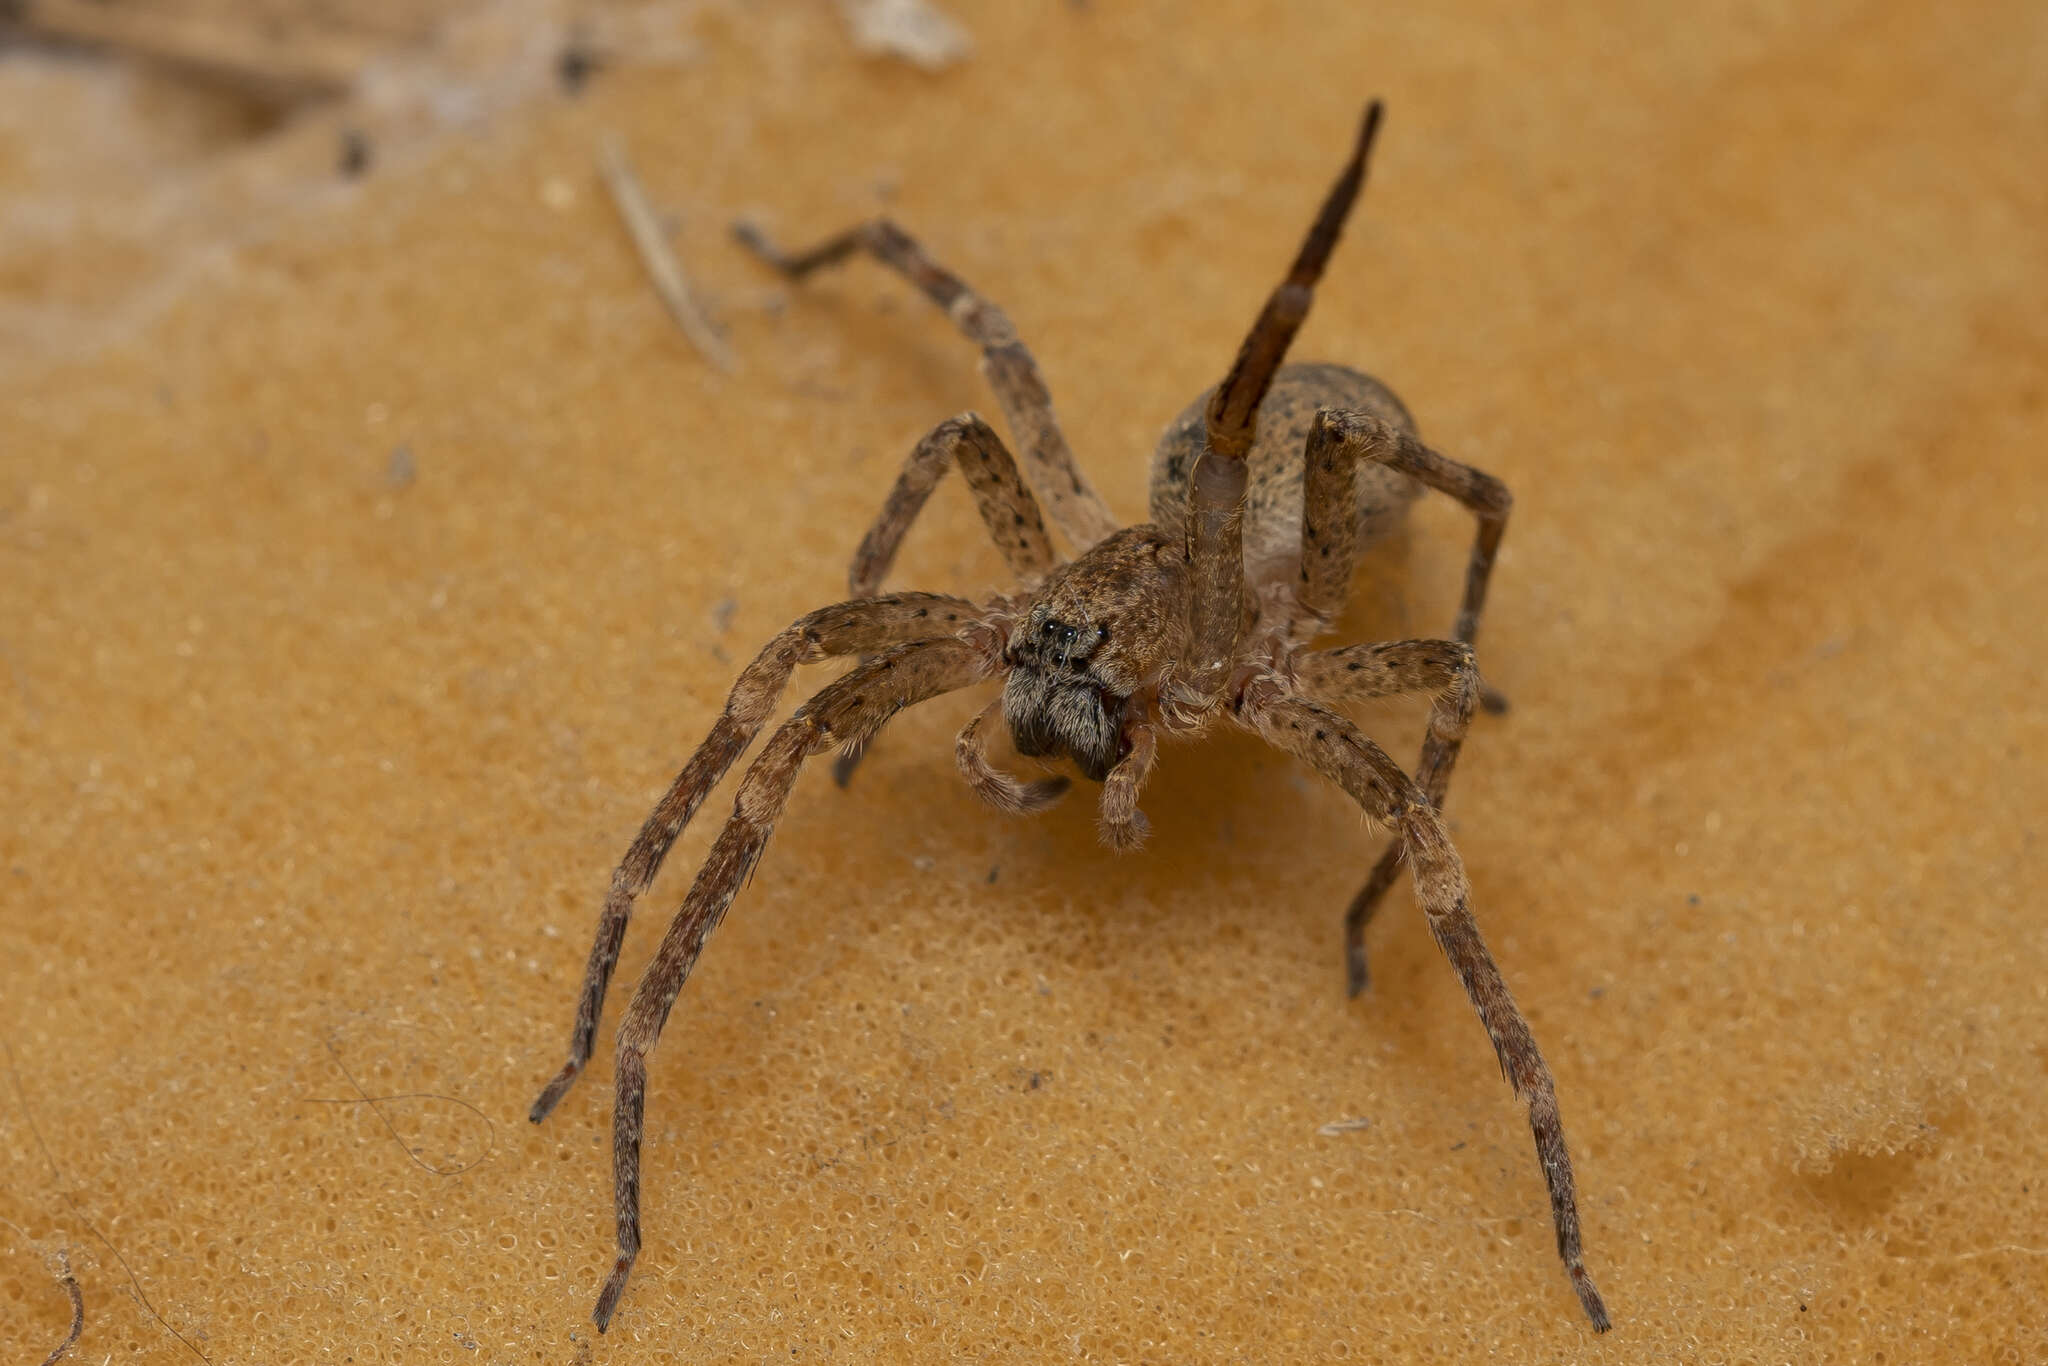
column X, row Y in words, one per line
column 1343, row 1126
column 914, row 30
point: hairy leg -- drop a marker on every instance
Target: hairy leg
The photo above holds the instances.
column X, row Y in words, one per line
column 1337, row 442
column 1007, row 509
column 991, row 784
column 1123, row 826
column 842, row 713
column 1341, row 753
column 1357, row 672
column 1216, row 485
column 845, row 629
column 1073, row 504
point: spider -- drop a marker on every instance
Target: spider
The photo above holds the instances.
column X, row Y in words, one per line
column 1263, row 491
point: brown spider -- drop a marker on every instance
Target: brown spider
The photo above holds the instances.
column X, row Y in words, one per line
column 1263, row 492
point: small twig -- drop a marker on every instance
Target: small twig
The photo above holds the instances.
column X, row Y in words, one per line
column 662, row 267
column 70, row 1283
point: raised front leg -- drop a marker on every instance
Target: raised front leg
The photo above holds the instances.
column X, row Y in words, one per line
column 1216, row 485
column 1069, row 499
column 1357, row 672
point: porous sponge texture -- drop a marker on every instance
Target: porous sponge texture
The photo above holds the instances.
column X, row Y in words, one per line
column 319, row 756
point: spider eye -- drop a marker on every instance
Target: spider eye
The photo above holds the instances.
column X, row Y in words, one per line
column 1067, row 643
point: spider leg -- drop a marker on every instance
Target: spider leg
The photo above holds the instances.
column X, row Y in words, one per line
column 1356, row 672
column 1007, row 509
column 1341, row 753
column 845, row 629
column 1123, row 826
column 1071, row 501
column 843, row 712
column 1337, row 442
column 991, row 784
column 1216, row 485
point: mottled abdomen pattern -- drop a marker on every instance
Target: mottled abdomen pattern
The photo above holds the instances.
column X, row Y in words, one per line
column 1272, row 505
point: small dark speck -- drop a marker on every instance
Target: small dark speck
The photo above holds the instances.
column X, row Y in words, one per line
column 1037, row 1080
column 1693, row 899
column 1802, row 1309
column 576, row 64
column 1458, row 1146
column 721, row 614
column 993, row 874
column 1596, row 993
column 354, row 159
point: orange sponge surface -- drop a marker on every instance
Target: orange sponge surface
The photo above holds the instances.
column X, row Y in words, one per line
column 357, row 603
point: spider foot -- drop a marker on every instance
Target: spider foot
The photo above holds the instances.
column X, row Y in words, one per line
column 614, row 1288
column 749, row 235
column 1492, row 700
column 1125, row 836
column 551, row 1095
column 1358, row 976
column 1589, row 1299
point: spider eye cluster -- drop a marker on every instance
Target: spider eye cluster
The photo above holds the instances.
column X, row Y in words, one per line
column 1069, row 644
column 1054, row 703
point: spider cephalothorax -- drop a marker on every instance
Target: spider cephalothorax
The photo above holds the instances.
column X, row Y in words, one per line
column 1098, row 631
column 1263, row 492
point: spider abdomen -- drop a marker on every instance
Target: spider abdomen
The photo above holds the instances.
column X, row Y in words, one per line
column 1273, row 491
